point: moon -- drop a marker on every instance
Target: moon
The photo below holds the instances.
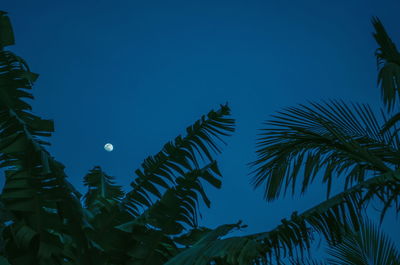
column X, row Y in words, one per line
column 108, row 147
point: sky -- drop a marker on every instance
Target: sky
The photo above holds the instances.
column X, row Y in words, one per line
column 137, row 73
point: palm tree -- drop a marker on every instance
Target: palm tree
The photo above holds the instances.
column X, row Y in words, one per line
column 44, row 220
column 323, row 140
column 330, row 140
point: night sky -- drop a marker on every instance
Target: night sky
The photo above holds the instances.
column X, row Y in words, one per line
column 137, row 73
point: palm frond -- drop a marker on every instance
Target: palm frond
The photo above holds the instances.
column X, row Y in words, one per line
column 179, row 205
column 332, row 218
column 332, row 138
column 388, row 59
column 159, row 172
column 365, row 246
column 171, row 215
column 165, row 195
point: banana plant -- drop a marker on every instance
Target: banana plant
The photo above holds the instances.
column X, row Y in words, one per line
column 46, row 221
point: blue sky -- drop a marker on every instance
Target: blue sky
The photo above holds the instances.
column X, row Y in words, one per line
column 137, row 73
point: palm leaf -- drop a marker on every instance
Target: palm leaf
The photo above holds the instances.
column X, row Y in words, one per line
column 388, row 59
column 159, row 172
column 169, row 216
column 368, row 245
column 178, row 206
column 332, row 138
column 332, row 218
column 164, row 199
